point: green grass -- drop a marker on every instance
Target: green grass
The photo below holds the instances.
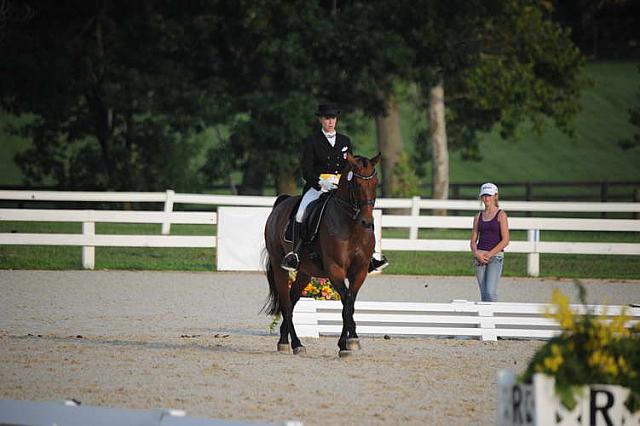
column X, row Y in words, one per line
column 133, row 258
column 405, row 263
column 515, row 265
column 594, row 153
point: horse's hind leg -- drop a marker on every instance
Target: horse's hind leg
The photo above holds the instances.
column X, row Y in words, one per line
column 288, row 298
column 281, row 279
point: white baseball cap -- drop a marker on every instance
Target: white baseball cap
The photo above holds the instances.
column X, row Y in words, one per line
column 488, row 189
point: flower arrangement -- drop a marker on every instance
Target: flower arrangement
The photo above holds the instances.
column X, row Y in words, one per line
column 320, row 288
column 590, row 349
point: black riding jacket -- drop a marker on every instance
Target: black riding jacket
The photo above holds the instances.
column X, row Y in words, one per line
column 318, row 157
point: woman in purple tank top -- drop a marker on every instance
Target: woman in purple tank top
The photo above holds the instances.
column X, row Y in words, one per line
column 489, row 237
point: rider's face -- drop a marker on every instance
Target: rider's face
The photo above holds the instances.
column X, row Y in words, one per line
column 329, row 123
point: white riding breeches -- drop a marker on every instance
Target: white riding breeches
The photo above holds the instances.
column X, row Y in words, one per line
column 311, row 195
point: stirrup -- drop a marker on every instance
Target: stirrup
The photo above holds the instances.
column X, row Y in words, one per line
column 291, row 261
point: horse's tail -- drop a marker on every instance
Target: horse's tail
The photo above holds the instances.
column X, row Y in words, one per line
column 272, row 304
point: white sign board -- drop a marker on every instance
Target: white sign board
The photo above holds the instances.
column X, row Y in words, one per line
column 240, row 237
column 537, row 404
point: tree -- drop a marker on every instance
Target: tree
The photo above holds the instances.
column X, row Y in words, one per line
column 371, row 58
column 492, row 63
column 274, row 81
column 116, row 91
column 634, row 119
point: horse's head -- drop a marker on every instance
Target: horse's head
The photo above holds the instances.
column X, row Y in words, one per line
column 358, row 186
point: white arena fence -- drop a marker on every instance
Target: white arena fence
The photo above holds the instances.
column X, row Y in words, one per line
column 413, row 222
column 72, row 413
column 483, row 320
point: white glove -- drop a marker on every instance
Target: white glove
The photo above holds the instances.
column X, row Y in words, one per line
column 326, row 185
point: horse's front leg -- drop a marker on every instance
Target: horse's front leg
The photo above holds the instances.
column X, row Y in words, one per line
column 346, row 298
column 355, row 282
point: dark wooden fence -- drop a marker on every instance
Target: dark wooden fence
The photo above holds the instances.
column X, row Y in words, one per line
column 602, row 191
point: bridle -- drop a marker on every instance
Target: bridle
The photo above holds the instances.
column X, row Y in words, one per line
column 354, row 204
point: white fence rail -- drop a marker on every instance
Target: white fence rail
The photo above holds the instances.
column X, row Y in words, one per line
column 484, row 320
column 89, row 239
column 533, row 246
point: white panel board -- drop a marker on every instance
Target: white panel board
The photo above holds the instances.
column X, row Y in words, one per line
column 241, row 238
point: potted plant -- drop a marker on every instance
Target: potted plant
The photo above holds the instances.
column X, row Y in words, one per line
column 588, row 374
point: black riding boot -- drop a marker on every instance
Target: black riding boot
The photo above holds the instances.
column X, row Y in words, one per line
column 378, row 265
column 291, row 261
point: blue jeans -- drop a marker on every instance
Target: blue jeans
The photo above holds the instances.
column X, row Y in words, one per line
column 488, row 276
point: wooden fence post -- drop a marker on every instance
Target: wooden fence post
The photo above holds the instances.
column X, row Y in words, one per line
column 604, row 195
column 533, row 259
column 88, row 252
column 168, row 208
column 415, row 212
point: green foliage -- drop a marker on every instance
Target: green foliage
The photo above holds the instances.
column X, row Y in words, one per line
column 634, row 119
column 119, row 93
column 408, row 183
column 590, row 350
column 527, row 70
column 592, row 155
column 116, row 93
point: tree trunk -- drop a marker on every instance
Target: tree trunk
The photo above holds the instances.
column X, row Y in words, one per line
column 252, row 178
column 390, row 144
column 286, row 182
column 440, row 152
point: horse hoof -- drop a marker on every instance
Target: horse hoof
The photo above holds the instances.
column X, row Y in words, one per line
column 353, row 344
column 283, row 347
column 343, row 353
column 299, row 350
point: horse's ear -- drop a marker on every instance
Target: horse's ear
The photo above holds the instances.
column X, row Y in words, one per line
column 352, row 160
column 375, row 159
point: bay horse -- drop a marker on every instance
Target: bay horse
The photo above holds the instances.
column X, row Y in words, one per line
column 344, row 244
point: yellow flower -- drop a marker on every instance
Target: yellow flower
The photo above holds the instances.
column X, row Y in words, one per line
column 563, row 314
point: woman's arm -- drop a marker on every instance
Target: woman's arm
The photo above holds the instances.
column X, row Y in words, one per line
column 474, row 236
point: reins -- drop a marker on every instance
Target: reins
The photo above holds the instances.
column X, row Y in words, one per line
column 355, row 205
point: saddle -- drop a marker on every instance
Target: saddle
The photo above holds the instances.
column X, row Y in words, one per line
column 311, row 219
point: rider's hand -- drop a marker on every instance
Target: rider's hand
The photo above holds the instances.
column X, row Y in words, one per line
column 326, row 185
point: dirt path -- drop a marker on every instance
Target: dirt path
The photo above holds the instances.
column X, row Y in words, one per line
column 196, row 342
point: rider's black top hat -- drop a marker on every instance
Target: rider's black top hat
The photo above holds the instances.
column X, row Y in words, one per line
column 328, row 110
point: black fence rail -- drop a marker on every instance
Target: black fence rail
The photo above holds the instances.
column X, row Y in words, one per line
column 597, row 191
column 600, row 191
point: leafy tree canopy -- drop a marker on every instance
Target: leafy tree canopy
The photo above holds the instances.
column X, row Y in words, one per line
column 117, row 90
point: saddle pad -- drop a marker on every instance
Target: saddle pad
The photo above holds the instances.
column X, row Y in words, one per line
column 311, row 219
column 313, row 216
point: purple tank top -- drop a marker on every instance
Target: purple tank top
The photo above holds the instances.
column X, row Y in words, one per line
column 490, row 234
